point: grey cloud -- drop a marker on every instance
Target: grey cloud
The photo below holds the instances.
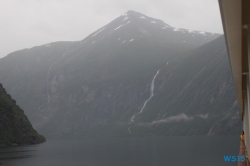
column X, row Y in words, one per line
column 205, row 116
column 176, row 118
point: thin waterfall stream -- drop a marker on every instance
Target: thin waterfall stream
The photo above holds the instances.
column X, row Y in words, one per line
column 145, row 103
column 49, row 73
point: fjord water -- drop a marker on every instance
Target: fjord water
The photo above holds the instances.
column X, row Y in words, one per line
column 137, row 151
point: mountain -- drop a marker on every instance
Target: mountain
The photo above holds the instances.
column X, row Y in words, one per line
column 15, row 128
column 194, row 94
column 107, row 84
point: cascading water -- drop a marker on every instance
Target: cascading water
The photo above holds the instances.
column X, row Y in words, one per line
column 220, row 120
column 49, row 72
column 145, row 103
column 48, row 82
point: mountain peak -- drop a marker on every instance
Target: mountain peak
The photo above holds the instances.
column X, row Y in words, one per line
column 133, row 26
column 141, row 17
column 132, row 13
column 129, row 12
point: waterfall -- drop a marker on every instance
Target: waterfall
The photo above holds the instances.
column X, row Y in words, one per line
column 48, row 83
column 151, row 91
column 220, row 120
column 145, row 103
column 49, row 72
column 65, row 51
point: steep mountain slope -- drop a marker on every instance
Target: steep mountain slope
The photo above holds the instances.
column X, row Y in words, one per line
column 193, row 94
column 94, row 87
column 15, row 127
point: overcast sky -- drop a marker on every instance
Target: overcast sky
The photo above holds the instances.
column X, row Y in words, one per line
column 29, row 23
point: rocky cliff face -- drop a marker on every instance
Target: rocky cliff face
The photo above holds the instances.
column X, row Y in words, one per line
column 135, row 76
column 15, row 128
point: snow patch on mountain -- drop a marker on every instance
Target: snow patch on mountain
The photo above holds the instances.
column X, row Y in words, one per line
column 124, row 14
column 166, row 26
column 142, row 17
column 193, row 32
column 121, row 26
column 125, row 18
column 118, row 27
column 176, row 29
column 98, row 31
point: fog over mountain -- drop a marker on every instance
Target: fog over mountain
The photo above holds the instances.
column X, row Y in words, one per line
column 26, row 24
column 136, row 76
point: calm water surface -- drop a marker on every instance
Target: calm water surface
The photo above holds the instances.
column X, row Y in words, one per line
column 139, row 151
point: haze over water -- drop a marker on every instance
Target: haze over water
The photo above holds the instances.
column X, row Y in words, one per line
column 137, row 151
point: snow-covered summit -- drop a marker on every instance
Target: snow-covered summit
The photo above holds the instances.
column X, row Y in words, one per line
column 138, row 26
